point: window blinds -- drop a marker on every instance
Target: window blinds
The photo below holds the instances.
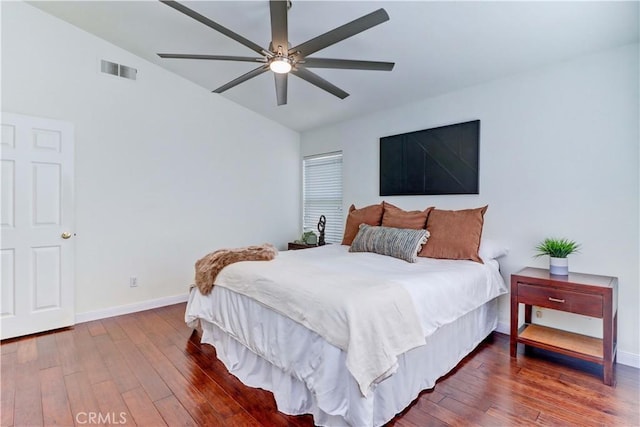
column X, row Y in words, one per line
column 322, row 195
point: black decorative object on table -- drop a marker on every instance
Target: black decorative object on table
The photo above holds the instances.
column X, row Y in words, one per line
column 321, row 224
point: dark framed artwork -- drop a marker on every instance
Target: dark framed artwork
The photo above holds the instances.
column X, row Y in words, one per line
column 441, row 160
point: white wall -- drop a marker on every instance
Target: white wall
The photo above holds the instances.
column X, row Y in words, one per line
column 558, row 157
column 165, row 171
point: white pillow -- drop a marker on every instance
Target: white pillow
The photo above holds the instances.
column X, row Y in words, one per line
column 491, row 249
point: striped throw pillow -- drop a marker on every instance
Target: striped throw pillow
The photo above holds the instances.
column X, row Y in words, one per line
column 402, row 243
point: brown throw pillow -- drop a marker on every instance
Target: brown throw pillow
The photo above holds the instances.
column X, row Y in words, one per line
column 371, row 215
column 454, row 234
column 395, row 217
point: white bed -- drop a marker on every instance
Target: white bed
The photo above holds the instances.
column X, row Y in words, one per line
column 456, row 307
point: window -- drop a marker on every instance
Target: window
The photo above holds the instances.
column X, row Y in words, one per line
column 322, row 194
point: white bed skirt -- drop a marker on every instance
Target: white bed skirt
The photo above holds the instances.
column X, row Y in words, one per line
column 328, row 392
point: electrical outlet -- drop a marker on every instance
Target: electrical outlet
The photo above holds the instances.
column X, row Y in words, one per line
column 133, row 282
column 538, row 314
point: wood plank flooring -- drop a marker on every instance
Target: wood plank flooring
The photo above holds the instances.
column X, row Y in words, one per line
column 148, row 369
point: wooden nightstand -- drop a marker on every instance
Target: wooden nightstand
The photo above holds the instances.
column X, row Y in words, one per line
column 295, row 246
column 586, row 294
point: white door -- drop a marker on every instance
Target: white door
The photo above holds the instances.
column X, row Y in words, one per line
column 37, row 225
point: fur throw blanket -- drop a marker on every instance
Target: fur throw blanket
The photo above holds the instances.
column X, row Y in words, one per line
column 208, row 267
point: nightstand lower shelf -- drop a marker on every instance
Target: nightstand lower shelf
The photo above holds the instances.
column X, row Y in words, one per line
column 568, row 343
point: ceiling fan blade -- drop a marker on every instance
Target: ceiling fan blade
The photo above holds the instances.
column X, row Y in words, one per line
column 316, row 80
column 279, row 26
column 211, row 57
column 281, row 87
column 243, row 78
column 209, row 23
column 347, row 64
column 338, row 34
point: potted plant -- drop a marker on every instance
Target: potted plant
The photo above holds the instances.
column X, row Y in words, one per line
column 558, row 250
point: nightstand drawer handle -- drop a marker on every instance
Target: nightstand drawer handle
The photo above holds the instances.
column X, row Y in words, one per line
column 556, row 300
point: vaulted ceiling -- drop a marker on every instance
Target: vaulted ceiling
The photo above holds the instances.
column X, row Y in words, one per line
column 438, row 47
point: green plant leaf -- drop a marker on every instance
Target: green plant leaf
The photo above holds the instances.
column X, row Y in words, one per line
column 557, row 248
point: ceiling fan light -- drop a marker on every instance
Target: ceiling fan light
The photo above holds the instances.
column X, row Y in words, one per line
column 280, row 65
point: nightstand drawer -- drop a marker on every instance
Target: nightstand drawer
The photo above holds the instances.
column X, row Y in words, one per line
column 292, row 246
column 559, row 299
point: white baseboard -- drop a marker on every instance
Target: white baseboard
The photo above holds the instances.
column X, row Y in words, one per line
column 504, row 328
column 624, row 357
column 130, row 308
column 629, row 359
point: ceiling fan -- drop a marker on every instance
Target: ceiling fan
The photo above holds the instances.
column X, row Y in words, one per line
column 282, row 59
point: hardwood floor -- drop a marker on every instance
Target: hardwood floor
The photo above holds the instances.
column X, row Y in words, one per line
column 148, row 368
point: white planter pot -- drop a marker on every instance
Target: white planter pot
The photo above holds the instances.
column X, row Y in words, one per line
column 559, row 266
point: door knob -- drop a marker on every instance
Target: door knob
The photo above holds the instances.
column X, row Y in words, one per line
column 65, row 235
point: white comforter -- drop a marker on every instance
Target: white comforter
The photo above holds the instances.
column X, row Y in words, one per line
column 369, row 316
column 441, row 291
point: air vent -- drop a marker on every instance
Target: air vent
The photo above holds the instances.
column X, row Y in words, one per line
column 109, row 67
column 118, row 70
column 128, row 72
